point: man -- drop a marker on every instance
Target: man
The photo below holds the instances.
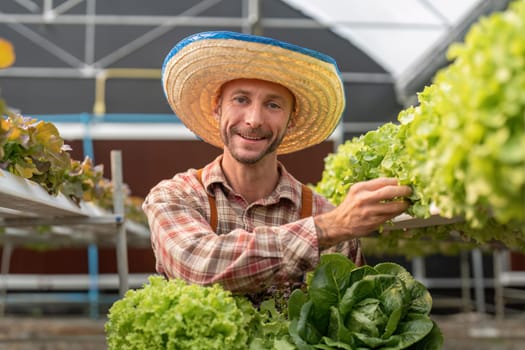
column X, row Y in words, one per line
column 243, row 221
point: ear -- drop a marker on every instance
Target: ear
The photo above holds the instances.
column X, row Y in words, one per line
column 217, row 108
column 292, row 120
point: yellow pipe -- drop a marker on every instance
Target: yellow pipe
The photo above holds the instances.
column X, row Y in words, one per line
column 99, row 108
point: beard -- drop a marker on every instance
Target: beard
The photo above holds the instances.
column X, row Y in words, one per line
column 272, row 147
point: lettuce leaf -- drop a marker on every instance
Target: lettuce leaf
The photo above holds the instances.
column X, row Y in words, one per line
column 176, row 315
column 461, row 148
column 349, row 307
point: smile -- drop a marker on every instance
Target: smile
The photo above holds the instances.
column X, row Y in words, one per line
column 253, row 138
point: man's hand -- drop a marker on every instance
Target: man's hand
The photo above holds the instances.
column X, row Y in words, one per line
column 367, row 205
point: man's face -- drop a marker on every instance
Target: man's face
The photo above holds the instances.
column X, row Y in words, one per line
column 254, row 115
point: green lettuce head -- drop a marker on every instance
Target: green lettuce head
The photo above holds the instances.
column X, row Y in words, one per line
column 349, row 307
column 176, row 315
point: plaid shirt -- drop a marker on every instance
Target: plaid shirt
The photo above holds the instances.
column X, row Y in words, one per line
column 256, row 245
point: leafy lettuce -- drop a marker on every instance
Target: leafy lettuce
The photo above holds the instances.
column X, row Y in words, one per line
column 176, row 315
column 466, row 138
column 349, row 307
column 461, row 148
column 344, row 307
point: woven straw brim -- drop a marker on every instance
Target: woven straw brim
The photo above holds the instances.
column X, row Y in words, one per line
column 193, row 76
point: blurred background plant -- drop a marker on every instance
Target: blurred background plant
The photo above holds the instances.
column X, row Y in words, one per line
column 35, row 150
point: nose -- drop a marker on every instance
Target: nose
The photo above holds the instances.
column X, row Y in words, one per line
column 254, row 115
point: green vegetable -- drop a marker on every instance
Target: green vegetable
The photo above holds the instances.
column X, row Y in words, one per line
column 34, row 150
column 349, row 307
column 467, row 136
column 268, row 328
column 176, row 315
column 462, row 148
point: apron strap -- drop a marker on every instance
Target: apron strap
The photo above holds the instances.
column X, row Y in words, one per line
column 306, row 203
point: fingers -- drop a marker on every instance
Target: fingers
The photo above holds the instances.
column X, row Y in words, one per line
column 381, row 189
column 391, row 192
column 387, row 210
column 375, row 184
column 367, row 205
column 373, row 216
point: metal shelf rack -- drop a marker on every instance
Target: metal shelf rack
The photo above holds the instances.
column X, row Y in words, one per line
column 25, row 205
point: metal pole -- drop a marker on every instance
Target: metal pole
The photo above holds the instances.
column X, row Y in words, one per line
column 465, row 281
column 252, row 14
column 7, row 251
column 118, row 208
column 419, row 269
column 479, row 283
column 498, row 286
column 92, row 251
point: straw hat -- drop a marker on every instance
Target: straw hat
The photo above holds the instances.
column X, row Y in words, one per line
column 196, row 68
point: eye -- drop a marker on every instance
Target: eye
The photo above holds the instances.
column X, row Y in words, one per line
column 273, row 105
column 241, row 99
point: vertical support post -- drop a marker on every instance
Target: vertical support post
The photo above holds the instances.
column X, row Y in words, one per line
column 7, row 251
column 465, row 281
column 92, row 251
column 418, row 267
column 89, row 42
column 93, row 292
column 498, row 285
column 479, row 282
column 252, row 14
column 118, row 208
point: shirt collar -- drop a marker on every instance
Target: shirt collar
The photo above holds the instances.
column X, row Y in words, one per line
column 287, row 187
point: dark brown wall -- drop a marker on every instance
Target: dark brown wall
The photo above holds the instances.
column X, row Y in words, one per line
column 75, row 260
column 517, row 261
column 146, row 162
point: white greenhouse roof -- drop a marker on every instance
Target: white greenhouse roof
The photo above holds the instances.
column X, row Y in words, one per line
column 403, row 36
column 394, row 33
